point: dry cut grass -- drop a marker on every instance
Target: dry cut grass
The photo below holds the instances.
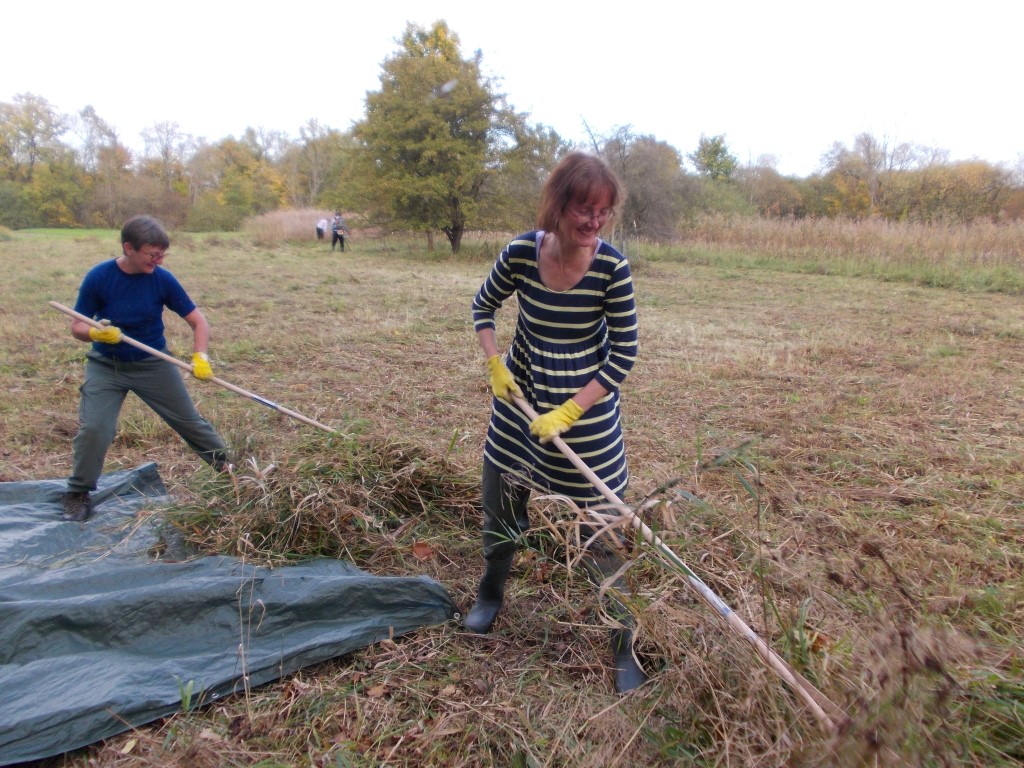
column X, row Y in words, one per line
column 838, row 458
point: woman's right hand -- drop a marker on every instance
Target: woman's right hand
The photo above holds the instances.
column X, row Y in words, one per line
column 503, row 383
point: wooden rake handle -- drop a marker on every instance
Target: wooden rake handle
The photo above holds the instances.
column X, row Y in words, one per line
column 815, row 700
column 186, row 367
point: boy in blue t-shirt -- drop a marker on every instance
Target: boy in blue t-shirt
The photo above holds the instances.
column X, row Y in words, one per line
column 131, row 292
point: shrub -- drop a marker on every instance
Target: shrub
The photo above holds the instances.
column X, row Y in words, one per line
column 211, row 215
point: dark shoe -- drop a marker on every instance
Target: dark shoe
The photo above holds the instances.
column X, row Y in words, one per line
column 489, row 597
column 77, row 506
column 221, row 463
column 628, row 674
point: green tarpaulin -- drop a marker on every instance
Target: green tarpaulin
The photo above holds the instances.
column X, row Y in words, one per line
column 97, row 635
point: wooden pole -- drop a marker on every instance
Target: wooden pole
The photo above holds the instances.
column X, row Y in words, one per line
column 186, row 367
column 815, row 700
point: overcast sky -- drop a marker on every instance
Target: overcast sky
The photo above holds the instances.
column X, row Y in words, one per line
column 785, row 78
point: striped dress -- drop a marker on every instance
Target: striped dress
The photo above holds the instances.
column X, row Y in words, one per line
column 563, row 339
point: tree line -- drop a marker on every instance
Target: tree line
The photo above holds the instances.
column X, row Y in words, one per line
column 440, row 150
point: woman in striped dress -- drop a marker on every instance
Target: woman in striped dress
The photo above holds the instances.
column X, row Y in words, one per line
column 575, row 342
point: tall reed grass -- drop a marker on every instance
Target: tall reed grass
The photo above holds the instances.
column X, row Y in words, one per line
column 286, row 224
column 983, row 244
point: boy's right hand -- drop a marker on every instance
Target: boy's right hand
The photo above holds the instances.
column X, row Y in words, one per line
column 201, row 366
column 108, row 334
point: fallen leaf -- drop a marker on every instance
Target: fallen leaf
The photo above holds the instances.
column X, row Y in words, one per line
column 821, row 642
column 422, row 551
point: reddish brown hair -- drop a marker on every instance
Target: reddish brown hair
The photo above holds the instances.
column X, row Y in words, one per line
column 577, row 178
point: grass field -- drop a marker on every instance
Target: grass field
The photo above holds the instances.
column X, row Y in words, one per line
column 838, row 456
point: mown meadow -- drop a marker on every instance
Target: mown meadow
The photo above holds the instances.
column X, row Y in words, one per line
column 824, row 425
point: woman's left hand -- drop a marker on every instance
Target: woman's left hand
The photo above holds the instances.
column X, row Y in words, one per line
column 553, row 423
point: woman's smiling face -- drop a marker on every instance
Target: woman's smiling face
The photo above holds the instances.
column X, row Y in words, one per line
column 582, row 220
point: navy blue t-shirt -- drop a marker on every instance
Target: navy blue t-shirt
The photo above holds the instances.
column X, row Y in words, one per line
column 134, row 303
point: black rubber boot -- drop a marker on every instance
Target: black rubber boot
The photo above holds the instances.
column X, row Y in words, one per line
column 77, row 506
column 489, row 596
column 628, row 674
column 221, row 463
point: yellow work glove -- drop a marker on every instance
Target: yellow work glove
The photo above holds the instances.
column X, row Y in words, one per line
column 201, row 366
column 503, row 383
column 108, row 334
column 553, row 423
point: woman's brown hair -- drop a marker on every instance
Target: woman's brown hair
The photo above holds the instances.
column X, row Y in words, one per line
column 577, row 178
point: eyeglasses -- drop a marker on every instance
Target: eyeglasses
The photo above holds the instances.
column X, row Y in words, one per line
column 586, row 214
column 152, row 252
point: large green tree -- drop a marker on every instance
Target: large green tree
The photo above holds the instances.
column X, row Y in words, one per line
column 435, row 136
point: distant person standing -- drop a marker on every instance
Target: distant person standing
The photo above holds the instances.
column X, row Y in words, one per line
column 338, row 231
column 321, row 227
column 131, row 292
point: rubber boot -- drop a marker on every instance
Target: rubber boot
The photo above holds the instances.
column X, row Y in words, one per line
column 221, row 463
column 489, row 597
column 628, row 674
column 77, row 506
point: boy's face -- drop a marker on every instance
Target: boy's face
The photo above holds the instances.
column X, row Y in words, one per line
column 142, row 261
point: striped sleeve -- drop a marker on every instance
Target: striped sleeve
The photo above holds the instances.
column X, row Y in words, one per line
column 620, row 315
column 499, row 285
